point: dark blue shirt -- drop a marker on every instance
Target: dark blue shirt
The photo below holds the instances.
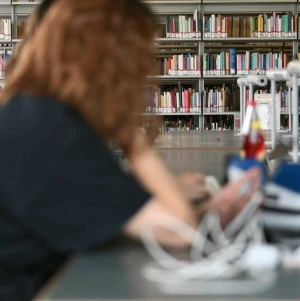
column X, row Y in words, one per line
column 60, row 192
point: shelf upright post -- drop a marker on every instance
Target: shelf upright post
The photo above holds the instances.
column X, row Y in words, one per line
column 201, row 52
column 242, row 83
column 290, row 107
column 295, row 119
column 294, row 70
column 289, row 84
column 275, row 75
column 14, row 24
column 295, row 43
column 273, row 115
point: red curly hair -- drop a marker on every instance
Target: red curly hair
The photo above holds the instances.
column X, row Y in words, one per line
column 93, row 55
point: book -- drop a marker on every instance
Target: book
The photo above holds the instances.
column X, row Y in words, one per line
column 232, row 59
column 264, row 109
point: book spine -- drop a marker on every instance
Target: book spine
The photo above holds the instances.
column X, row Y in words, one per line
column 232, row 54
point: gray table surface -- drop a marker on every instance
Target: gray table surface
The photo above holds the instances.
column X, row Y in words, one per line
column 115, row 274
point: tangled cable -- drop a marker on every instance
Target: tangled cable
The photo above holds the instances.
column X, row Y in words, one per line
column 221, row 261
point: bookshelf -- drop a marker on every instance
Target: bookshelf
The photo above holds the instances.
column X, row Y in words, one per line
column 265, row 34
column 210, row 30
column 5, row 37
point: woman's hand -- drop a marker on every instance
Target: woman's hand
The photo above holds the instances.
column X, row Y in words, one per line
column 234, row 196
column 193, row 187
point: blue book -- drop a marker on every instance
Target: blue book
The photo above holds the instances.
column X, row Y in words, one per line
column 232, row 55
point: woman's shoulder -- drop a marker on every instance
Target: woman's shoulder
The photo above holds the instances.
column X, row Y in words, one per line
column 29, row 104
column 37, row 111
column 30, row 125
column 37, row 117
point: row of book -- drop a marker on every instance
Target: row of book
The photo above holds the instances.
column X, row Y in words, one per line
column 219, row 123
column 178, row 65
column 5, row 29
column 183, row 99
column 211, row 123
column 283, row 98
column 183, row 64
column 174, row 100
column 171, row 124
column 184, row 26
column 231, row 63
column 219, row 26
column 270, row 26
column 219, row 99
column 4, row 58
column 274, row 25
column 224, row 63
column 178, row 124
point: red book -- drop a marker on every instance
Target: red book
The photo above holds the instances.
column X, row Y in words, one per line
column 169, row 63
column 173, row 101
column 173, row 26
column 187, row 101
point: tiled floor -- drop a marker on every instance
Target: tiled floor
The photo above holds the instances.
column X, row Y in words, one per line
column 198, row 151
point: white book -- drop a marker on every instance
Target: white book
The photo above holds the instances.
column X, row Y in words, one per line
column 264, row 107
column 1, row 29
column 177, row 101
column 6, row 29
column 196, row 22
column 213, row 25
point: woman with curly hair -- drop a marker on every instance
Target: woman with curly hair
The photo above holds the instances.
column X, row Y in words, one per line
column 73, row 85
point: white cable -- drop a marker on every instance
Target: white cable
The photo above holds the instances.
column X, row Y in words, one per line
column 217, row 233
column 247, row 212
column 221, row 239
column 153, row 247
column 200, row 243
column 215, row 254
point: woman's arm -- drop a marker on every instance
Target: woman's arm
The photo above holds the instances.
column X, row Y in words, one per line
column 150, row 170
column 154, row 211
column 228, row 202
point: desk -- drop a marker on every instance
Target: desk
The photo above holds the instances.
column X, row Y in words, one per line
column 114, row 274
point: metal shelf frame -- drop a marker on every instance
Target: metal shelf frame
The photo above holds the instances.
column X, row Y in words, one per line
column 161, row 8
column 224, row 7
